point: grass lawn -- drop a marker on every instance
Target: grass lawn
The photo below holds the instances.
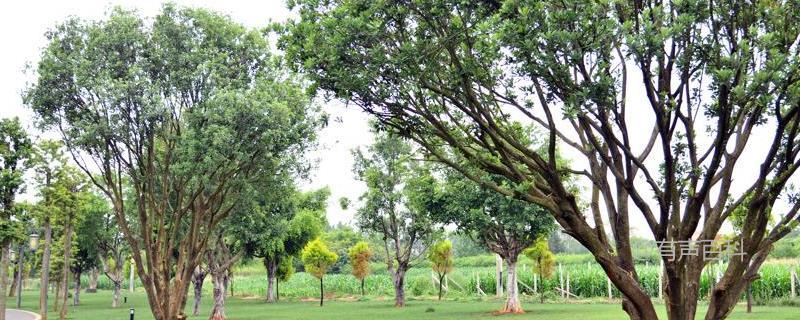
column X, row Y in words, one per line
column 97, row 307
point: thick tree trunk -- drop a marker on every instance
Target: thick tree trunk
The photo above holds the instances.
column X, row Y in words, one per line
column 512, row 300
column 399, row 278
column 116, row 294
column 749, row 298
column 682, row 290
column 45, row 274
column 93, row 275
column 4, row 261
column 76, row 297
column 65, row 270
column 272, row 268
column 218, row 312
column 198, row 279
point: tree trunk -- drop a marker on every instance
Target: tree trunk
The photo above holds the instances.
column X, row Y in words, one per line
column 131, row 279
column 76, row 297
column 4, row 261
column 512, row 300
column 94, row 273
column 218, row 312
column 682, row 290
column 65, row 270
column 498, row 268
column 198, row 279
column 115, row 297
column 321, row 292
column 12, row 289
column 362, row 287
column 272, row 268
column 749, row 298
column 277, row 290
column 45, row 276
column 399, row 278
column 441, row 283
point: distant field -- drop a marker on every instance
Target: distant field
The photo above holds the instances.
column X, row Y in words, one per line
column 97, row 307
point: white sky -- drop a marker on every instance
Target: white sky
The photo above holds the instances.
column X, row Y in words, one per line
column 25, row 22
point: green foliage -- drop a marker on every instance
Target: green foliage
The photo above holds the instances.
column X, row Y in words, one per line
column 340, row 239
column 15, row 155
column 285, row 269
column 359, row 255
column 440, row 255
column 544, row 261
column 317, row 258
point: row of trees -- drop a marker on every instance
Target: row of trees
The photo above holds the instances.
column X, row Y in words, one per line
column 494, row 89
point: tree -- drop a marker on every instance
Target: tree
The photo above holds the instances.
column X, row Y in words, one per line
column 283, row 273
column 317, row 258
column 70, row 188
column 88, row 230
column 502, row 224
column 462, row 78
column 340, row 239
column 441, row 257
column 15, row 152
column 544, row 261
column 186, row 110
column 393, row 207
column 359, row 255
column 49, row 163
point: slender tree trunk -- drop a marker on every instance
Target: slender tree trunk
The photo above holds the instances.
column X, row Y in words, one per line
column 4, row 261
column 512, row 300
column 76, row 297
column 399, row 287
column 498, row 268
column 198, row 279
column 65, row 270
column 441, row 283
column 321, row 292
column 218, row 312
column 362, row 286
column 12, row 288
column 94, row 273
column 45, row 276
column 131, row 279
column 749, row 298
column 272, row 268
column 277, row 290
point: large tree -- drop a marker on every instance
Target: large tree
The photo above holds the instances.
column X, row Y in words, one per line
column 394, row 207
column 709, row 80
column 502, row 224
column 15, row 153
column 185, row 108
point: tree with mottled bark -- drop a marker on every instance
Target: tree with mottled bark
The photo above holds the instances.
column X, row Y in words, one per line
column 182, row 110
column 394, row 205
column 359, row 255
column 15, row 154
column 501, row 224
column 709, row 80
column 317, row 258
column 441, row 257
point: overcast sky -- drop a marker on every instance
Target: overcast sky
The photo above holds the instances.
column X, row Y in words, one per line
column 25, row 22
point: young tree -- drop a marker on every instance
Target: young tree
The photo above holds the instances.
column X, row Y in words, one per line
column 88, row 230
column 544, row 261
column 15, row 153
column 713, row 79
column 283, row 274
column 48, row 162
column 359, row 255
column 70, row 197
column 317, row 258
column 393, row 206
column 441, row 257
column 503, row 225
column 185, row 110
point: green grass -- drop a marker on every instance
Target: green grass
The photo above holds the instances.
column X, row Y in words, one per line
column 97, row 307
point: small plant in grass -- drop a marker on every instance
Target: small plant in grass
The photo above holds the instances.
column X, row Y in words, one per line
column 441, row 258
column 317, row 258
column 359, row 258
column 544, row 261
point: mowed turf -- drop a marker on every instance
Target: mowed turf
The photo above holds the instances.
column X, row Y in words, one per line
column 97, row 306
